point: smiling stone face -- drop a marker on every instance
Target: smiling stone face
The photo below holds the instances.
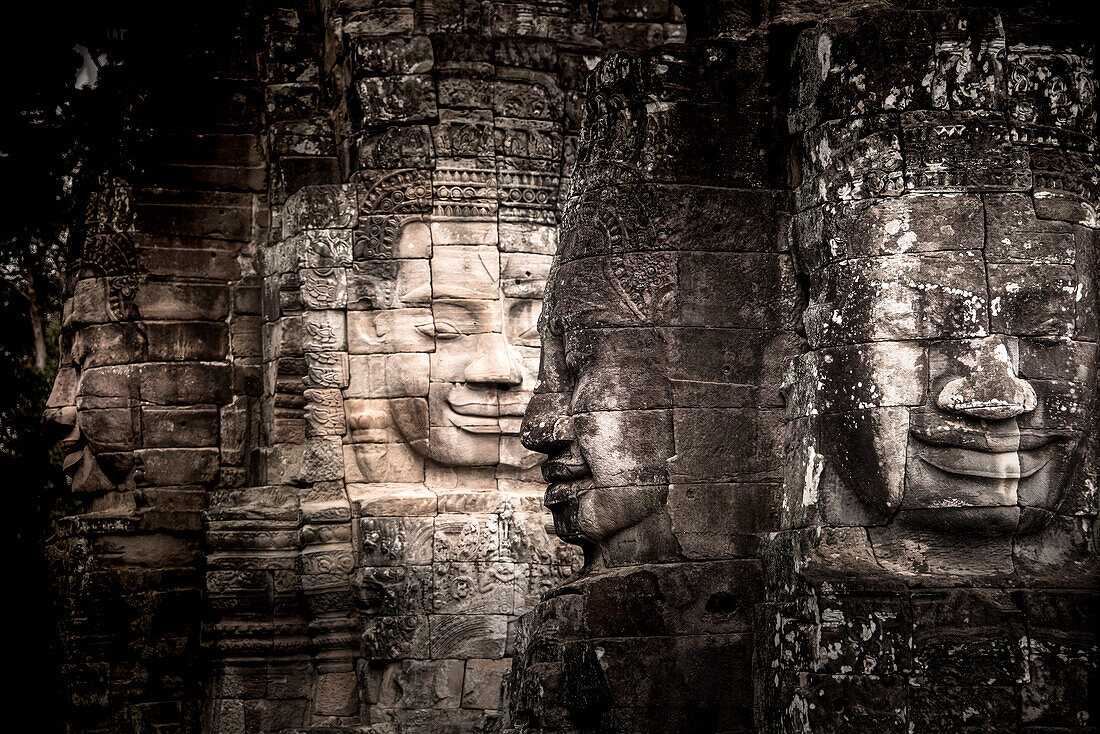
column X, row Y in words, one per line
column 442, row 306
column 947, row 235
column 479, row 377
column 958, row 367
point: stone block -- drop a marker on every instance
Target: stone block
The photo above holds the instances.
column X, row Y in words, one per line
column 175, row 466
column 416, row 684
column 391, row 56
column 391, row 330
column 737, row 290
column 324, row 288
column 474, row 588
column 382, row 463
column 182, row 301
column 392, row 500
column 395, row 638
column 327, row 369
column 1013, row 233
column 858, row 377
column 466, row 538
column 466, row 636
column 323, row 207
column 388, row 99
column 727, row 444
column 899, row 298
column 389, row 284
column 481, row 685
column 953, row 629
column 336, row 694
column 394, row 147
column 324, row 331
column 1032, row 300
column 387, row 591
column 385, row 541
column 179, row 427
column 390, row 375
column 712, row 521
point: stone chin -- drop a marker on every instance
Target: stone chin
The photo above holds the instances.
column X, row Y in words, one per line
column 585, row 514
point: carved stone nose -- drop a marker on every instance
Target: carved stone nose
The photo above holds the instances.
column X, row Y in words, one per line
column 495, row 363
column 991, row 391
column 547, row 426
column 61, row 404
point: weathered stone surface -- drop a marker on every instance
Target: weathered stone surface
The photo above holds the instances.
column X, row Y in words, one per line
column 816, row 392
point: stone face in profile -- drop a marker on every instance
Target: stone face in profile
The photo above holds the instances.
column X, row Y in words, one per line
column 667, row 319
column 647, row 336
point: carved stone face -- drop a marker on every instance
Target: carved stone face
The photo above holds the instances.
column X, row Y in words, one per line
column 460, row 331
column 602, row 411
column 953, row 375
column 96, row 385
column 479, row 381
column 664, row 331
column 92, row 400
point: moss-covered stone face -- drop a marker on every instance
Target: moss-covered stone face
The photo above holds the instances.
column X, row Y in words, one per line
column 952, row 379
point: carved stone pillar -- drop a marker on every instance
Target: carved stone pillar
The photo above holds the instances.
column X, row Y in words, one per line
column 937, row 570
column 669, row 312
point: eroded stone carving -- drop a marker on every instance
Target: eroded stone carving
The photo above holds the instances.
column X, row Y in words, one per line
column 941, row 429
column 668, row 313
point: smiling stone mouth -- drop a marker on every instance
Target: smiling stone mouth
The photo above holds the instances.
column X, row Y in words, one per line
column 985, row 465
column 474, row 417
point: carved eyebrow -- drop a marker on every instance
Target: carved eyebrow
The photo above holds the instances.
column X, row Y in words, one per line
column 420, row 294
column 450, row 290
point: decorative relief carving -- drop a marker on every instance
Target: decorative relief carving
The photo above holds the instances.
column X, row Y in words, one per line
column 108, row 247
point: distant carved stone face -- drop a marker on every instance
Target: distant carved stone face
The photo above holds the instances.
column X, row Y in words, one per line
column 92, row 393
column 954, row 375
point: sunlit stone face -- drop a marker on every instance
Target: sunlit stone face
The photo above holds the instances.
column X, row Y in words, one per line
column 479, row 377
column 953, row 374
column 443, row 344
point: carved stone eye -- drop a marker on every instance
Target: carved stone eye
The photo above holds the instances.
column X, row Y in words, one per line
column 443, row 330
